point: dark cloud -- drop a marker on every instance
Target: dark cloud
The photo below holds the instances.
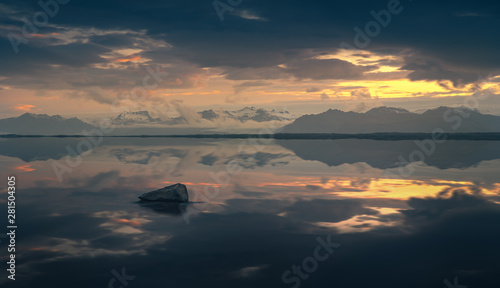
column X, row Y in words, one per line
column 327, row 69
column 42, row 58
column 426, row 210
column 428, row 69
column 268, row 73
column 313, row 89
column 115, row 40
column 454, row 41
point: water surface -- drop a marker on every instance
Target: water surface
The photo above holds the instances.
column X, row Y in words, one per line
column 398, row 224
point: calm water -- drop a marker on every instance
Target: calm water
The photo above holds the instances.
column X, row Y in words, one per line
column 265, row 224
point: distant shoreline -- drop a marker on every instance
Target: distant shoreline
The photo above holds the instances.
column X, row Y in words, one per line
column 492, row 136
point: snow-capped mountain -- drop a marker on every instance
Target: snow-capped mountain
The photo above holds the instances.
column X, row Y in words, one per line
column 259, row 115
column 131, row 118
column 241, row 115
column 389, row 119
column 43, row 124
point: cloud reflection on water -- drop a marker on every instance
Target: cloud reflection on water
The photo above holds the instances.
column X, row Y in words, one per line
column 440, row 223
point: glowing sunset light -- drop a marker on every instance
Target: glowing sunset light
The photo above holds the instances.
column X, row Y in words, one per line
column 127, row 59
column 126, row 221
column 25, row 168
column 25, row 107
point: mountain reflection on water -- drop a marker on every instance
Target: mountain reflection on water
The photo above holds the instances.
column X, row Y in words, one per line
column 440, row 222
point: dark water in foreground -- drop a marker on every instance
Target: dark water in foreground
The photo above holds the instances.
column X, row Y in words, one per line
column 308, row 213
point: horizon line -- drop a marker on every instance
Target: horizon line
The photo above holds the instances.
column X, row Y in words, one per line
column 389, row 136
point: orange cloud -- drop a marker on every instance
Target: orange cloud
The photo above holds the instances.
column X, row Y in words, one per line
column 127, row 59
column 37, row 248
column 126, row 221
column 43, row 249
column 43, row 35
column 24, row 107
column 25, row 168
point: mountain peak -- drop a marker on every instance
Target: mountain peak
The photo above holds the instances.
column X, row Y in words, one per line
column 43, row 124
column 437, row 109
column 443, row 109
column 41, row 116
column 245, row 109
column 126, row 113
column 242, row 115
column 385, row 109
column 208, row 114
column 137, row 117
column 395, row 120
column 333, row 111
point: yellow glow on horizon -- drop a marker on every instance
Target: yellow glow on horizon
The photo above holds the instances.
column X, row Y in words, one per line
column 385, row 69
column 403, row 189
column 358, row 57
column 401, row 88
column 397, row 189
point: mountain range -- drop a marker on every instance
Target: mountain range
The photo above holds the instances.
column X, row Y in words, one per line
column 377, row 154
column 380, row 119
column 43, row 124
column 386, row 154
column 241, row 115
column 389, row 119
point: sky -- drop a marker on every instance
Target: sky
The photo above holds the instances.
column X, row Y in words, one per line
column 85, row 58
